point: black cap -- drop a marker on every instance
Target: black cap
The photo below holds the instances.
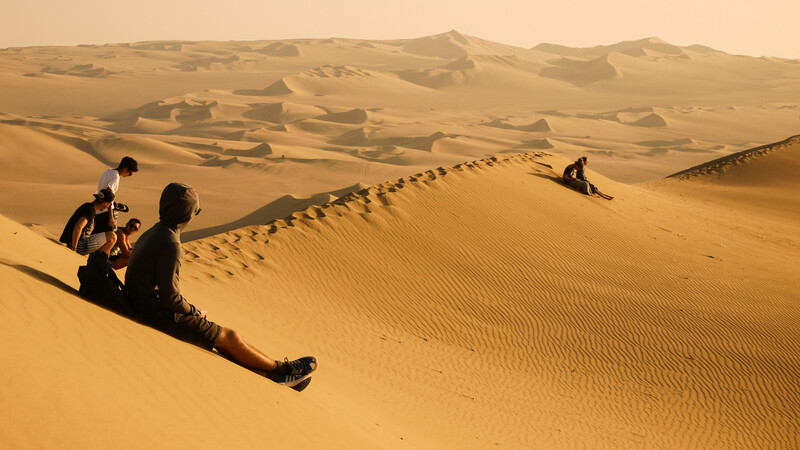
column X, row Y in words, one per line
column 129, row 163
column 105, row 195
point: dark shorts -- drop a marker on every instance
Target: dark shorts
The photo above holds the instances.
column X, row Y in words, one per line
column 192, row 329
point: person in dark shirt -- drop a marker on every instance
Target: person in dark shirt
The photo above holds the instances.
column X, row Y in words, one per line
column 574, row 177
column 77, row 233
column 152, row 283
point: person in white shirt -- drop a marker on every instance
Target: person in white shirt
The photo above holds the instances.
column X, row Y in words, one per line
column 105, row 221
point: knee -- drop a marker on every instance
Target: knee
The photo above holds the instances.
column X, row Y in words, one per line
column 228, row 338
column 111, row 237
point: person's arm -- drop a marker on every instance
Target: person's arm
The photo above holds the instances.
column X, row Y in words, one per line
column 76, row 232
column 567, row 176
column 168, row 278
column 123, row 243
column 112, row 222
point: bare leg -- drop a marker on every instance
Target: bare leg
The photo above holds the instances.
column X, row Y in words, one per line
column 111, row 239
column 120, row 262
column 233, row 347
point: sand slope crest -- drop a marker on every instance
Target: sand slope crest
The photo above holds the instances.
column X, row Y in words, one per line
column 723, row 167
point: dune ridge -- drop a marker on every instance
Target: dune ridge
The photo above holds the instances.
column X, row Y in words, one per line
column 759, row 182
column 721, row 165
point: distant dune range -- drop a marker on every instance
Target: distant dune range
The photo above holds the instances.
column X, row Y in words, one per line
column 374, row 108
column 476, row 304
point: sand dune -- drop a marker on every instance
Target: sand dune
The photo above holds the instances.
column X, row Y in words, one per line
column 582, row 72
column 45, row 156
column 666, row 143
column 354, row 116
column 80, row 70
column 259, row 150
column 760, row 181
column 280, row 49
column 650, row 120
column 278, row 209
column 486, row 71
column 536, row 143
column 633, row 48
column 148, row 151
column 371, row 136
column 540, row 125
column 442, row 46
column 623, row 331
column 282, row 112
column 180, row 110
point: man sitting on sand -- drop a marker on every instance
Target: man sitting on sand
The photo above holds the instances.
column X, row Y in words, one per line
column 121, row 252
column 152, row 284
column 77, row 233
column 574, row 176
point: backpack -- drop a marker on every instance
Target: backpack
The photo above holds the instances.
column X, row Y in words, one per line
column 101, row 286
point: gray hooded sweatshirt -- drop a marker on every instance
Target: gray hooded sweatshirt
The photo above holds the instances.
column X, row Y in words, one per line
column 152, row 279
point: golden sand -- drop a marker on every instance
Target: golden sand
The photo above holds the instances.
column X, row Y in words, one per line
column 395, row 209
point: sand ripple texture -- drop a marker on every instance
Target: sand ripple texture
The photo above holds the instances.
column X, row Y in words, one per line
column 487, row 304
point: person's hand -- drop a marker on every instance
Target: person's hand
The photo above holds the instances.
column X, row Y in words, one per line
column 202, row 313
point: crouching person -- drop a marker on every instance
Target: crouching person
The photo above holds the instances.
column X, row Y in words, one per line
column 77, row 233
column 152, row 284
column 121, row 252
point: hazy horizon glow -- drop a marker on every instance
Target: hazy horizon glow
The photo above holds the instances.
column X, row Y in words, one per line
column 764, row 28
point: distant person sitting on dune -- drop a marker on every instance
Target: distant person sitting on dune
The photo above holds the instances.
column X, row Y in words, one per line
column 77, row 233
column 575, row 177
column 152, row 283
column 121, row 252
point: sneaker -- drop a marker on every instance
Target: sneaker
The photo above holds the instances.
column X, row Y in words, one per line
column 302, row 385
column 295, row 374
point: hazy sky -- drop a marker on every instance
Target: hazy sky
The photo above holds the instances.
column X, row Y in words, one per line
column 750, row 27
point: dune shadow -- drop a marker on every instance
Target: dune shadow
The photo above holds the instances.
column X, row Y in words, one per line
column 41, row 276
column 553, row 178
column 55, row 282
column 279, row 208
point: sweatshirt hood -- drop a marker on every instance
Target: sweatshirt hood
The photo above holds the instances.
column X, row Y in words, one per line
column 178, row 204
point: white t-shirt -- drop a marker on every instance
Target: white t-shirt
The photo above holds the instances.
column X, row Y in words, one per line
column 110, row 180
